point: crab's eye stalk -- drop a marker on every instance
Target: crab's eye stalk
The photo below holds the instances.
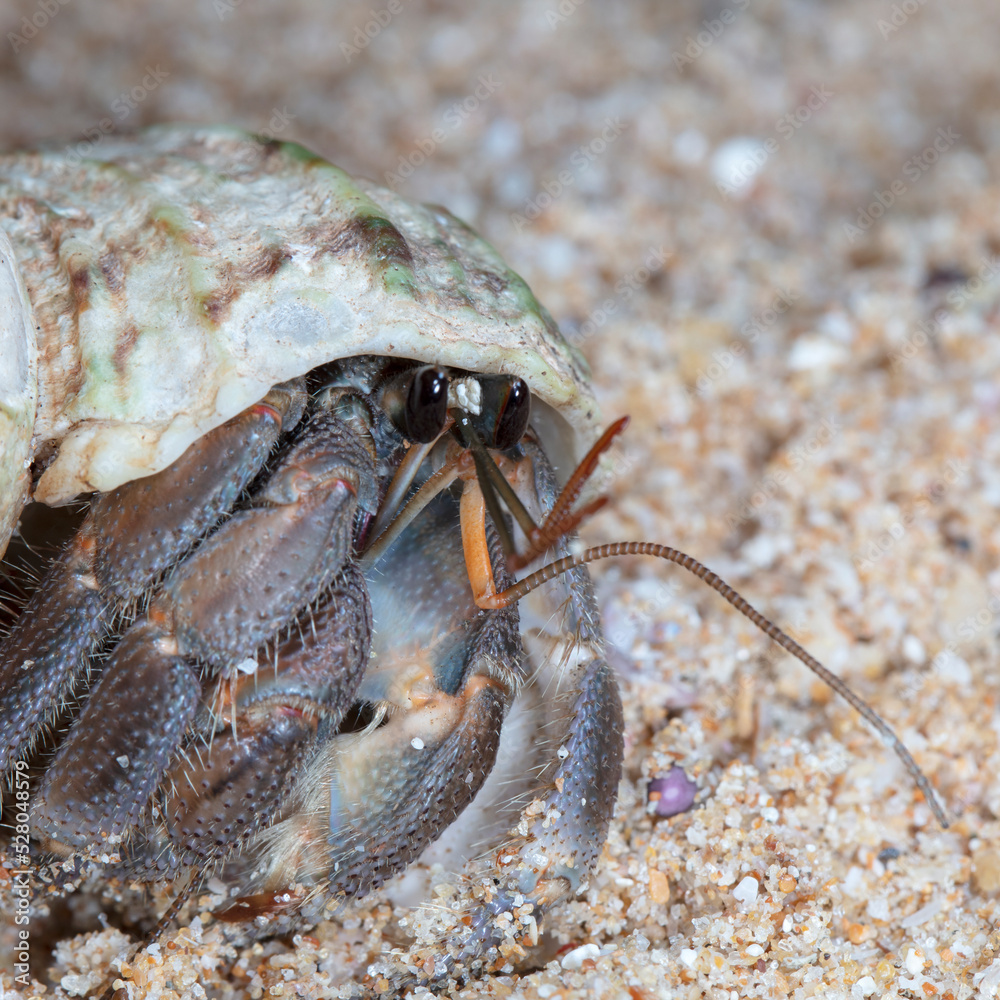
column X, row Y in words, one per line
column 505, row 411
column 426, row 408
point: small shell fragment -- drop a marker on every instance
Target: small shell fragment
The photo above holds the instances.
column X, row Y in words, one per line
column 574, row 959
column 671, row 794
column 747, row 890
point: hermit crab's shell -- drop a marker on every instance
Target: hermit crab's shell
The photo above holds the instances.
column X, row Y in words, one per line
column 157, row 286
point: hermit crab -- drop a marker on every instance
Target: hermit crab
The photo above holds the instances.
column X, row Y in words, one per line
column 320, row 429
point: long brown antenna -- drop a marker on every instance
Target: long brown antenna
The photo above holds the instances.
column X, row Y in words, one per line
column 513, row 594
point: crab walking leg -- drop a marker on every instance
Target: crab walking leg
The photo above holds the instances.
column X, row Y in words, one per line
column 560, row 834
column 227, row 784
column 130, row 536
column 255, row 574
column 267, row 563
column 119, row 746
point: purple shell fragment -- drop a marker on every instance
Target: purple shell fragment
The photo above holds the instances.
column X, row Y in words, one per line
column 671, row 794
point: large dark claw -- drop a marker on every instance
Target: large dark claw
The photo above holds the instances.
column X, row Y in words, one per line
column 393, row 791
column 369, row 802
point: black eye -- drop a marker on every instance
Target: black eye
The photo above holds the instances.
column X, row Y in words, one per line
column 512, row 420
column 426, row 404
column 505, row 410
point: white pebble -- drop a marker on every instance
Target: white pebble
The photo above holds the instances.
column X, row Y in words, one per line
column 123, row 760
column 697, row 835
column 247, row 666
column 688, row 957
column 417, row 743
column 574, row 959
column 988, row 980
column 913, row 650
column 914, row 961
column 926, row 913
column 864, row 987
column 953, row 668
column 812, row 352
column 76, row 985
column 640, row 941
column 746, row 891
column 736, row 162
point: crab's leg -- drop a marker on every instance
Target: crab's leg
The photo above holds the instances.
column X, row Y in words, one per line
column 561, row 831
column 441, row 679
column 248, row 580
column 118, row 747
column 227, row 783
column 130, row 536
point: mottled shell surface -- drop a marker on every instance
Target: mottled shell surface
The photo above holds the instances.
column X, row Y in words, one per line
column 153, row 290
